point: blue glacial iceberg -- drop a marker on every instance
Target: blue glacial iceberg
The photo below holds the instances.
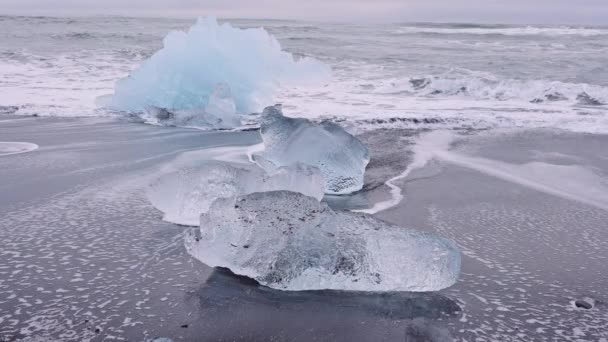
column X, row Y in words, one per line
column 341, row 157
column 219, row 113
column 185, row 72
column 185, row 194
column 288, row 241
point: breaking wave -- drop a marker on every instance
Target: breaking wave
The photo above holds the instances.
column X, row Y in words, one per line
column 503, row 30
column 488, row 87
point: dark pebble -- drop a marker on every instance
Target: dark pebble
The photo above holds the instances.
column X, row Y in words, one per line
column 581, row 303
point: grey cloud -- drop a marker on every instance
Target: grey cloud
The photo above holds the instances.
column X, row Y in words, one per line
column 513, row 11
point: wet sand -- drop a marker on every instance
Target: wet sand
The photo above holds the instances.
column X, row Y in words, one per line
column 527, row 254
column 86, row 257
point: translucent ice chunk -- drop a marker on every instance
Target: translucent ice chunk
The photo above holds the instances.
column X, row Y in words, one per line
column 183, row 74
column 221, row 105
column 298, row 177
column 341, row 157
column 183, row 195
column 289, row 241
column 219, row 113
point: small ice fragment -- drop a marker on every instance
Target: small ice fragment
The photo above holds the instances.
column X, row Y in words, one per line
column 288, row 241
column 341, row 157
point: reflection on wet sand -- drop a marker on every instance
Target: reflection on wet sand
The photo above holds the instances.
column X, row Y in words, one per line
column 238, row 308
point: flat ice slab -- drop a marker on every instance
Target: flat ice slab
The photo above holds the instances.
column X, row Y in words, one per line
column 185, row 194
column 288, row 241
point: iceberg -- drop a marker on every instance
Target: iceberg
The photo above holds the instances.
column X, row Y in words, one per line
column 185, row 194
column 184, row 73
column 289, row 241
column 221, row 104
column 341, row 157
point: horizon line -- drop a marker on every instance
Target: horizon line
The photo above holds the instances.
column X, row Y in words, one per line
column 303, row 20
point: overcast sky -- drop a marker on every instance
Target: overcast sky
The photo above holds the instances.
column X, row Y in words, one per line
column 483, row 11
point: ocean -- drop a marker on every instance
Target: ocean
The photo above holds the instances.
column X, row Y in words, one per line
column 383, row 75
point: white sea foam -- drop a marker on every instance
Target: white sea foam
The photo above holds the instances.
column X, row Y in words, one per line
column 571, row 182
column 425, row 149
column 65, row 85
column 456, row 99
column 8, row 148
column 528, row 81
column 254, row 149
column 507, row 31
column 486, row 86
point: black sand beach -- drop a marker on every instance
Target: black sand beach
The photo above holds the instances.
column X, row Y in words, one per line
column 85, row 257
